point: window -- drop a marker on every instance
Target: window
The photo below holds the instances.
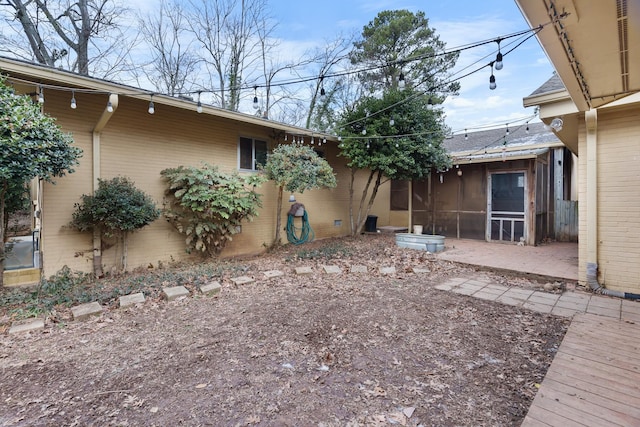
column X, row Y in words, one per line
column 251, row 153
column 399, row 197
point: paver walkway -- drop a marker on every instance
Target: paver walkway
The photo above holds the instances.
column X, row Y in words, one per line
column 561, row 304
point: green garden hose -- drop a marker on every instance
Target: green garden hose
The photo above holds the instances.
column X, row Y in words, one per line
column 305, row 232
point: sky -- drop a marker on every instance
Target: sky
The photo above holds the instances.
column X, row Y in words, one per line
column 303, row 25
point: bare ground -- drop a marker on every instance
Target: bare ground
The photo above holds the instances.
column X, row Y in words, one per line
column 352, row 349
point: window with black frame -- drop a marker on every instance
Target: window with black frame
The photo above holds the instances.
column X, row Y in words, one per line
column 251, row 153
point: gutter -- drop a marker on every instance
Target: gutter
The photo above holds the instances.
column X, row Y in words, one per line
column 96, row 175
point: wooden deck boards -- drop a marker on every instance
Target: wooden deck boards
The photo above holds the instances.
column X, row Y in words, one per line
column 594, row 379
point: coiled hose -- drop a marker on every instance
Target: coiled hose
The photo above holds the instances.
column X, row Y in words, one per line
column 300, row 235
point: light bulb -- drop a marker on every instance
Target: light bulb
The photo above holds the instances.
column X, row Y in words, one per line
column 322, row 92
column 466, row 137
column 507, row 130
column 73, row 101
column 109, row 107
column 492, row 82
column 41, row 96
column 430, row 104
column 255, row 102
column 364, row 131
column 324, row 140
column 498, row 64
column 392, row 122
column 401, row 82
column 199, row 106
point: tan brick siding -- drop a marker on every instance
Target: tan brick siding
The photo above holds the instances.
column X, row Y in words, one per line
column 138, row 145
column 618, row 179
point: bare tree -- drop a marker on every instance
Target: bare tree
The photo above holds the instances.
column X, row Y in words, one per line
column 226, row 31
column 324, row 91
column 173, row 64
column 81, row 35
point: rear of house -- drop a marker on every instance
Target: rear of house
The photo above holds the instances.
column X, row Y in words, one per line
column 129, row 141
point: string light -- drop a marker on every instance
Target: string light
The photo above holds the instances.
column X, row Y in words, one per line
column 466, row 137
column 498, row 63
column 109, row 107
column 430, row 104
column 255, row 97
column 492, row 79
column 392, row 122
column 530, row 32
column 152, row 108
column 527, row 129
column 199, row 106
column 507, row 129
column 322, row 91
column 73, row 100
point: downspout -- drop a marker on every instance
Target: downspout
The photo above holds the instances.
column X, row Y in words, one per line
column 97, row 132
column 591, row 120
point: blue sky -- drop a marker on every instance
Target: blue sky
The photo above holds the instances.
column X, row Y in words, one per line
column 460, row 22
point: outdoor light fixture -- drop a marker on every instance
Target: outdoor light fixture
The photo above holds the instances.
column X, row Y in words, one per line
column 392, row 122
column 498, row 63
column 199, row 106
column 73, row 100
column 152, row 108
column 466, row 137
column 556, row 124
column 41, row 96
column 492, row 80
column 255, row 97
column 109, row 107
column 401, row 81
column 430, row 104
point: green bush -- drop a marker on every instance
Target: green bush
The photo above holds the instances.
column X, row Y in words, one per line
column 207, row 205
column 116, row 209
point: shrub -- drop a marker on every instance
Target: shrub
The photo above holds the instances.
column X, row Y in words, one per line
column 207, row 206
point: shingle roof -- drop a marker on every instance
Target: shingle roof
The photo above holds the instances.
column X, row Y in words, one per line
column 495, row 138
column 554, row 84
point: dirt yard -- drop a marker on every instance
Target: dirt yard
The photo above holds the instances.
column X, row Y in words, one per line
column 354, row 349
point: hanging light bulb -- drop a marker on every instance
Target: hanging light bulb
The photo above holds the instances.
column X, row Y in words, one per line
column 527, row 129
column 466, row 137
column 401, row 82
column 73, row 100
column 324, row 140
column 397, row 145
column 322, row 91
column 364, row 131
column 498, row 63
column 109, row 107
column 430, row 104
column 492, row 79
column 41, row 95
column 507, row 129
column 255, row 98
column 199, row 106
column 285, row 136
column 368, row 145
column 312, row 141
column 340, row 138
column 152, row 108
column 392, row 122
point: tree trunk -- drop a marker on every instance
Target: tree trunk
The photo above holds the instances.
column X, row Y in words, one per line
column 3, row 230
column 374, row 192
column 276, row 240
column 352, row 226
column 360, row 220
column 125, row 247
